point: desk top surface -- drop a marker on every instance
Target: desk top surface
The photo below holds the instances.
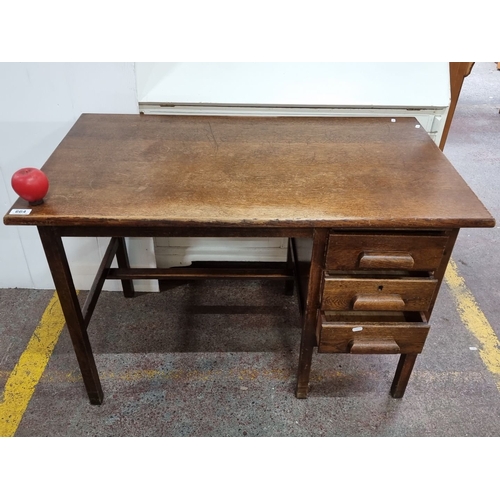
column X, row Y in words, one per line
column 133, row 170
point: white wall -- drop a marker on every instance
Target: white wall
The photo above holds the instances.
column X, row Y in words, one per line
column 386, row 85
column 39, row 102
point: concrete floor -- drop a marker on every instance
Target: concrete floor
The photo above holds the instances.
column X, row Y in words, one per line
column 205, row 360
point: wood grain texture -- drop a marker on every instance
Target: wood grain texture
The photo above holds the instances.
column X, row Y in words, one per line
column 440, row 271
column 392, row 302
column 339, row 333
column 96, row 288
column 359, row 251
column 402, row 376
column 311, row 312
column 374, row 347
column 303, row 257
column 75, row 323
column 123, row 262
column 341, row 294
column 458, row 72
column 185, row 273
column 167, row 171
column 387, row 260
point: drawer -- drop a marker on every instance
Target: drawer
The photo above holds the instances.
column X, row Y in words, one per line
column 371, row 333
column 350, row 252
column 343, row 293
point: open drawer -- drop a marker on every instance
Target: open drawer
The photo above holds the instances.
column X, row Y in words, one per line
column 366, row 332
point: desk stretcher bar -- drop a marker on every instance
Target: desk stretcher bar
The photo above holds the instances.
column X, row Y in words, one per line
column 126, row 274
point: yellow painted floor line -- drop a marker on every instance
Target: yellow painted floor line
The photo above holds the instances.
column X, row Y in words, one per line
column 24, row 378
column 475, row 321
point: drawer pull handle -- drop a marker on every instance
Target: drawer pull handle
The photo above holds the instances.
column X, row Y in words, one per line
column 377, row 260
column 378, row 303
column 374, row 347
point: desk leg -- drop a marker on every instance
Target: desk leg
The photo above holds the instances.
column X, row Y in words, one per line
column 122, row 259
column 308, row 340
column 61, row 274
column 289, row 284
column 403, row 372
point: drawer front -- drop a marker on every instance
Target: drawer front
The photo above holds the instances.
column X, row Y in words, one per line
column 350, row 252
column 367, row 294
column 360, row 335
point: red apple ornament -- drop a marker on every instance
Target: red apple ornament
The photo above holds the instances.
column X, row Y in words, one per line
column 31, row 184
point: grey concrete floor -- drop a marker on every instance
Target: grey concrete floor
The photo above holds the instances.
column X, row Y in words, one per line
column 220, row 359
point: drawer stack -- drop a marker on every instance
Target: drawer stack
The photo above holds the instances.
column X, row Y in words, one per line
column 378, row 290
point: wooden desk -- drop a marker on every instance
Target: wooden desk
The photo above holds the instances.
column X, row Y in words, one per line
column 371, row 208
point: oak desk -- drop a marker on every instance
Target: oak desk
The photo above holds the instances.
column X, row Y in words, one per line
column 371, row 208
